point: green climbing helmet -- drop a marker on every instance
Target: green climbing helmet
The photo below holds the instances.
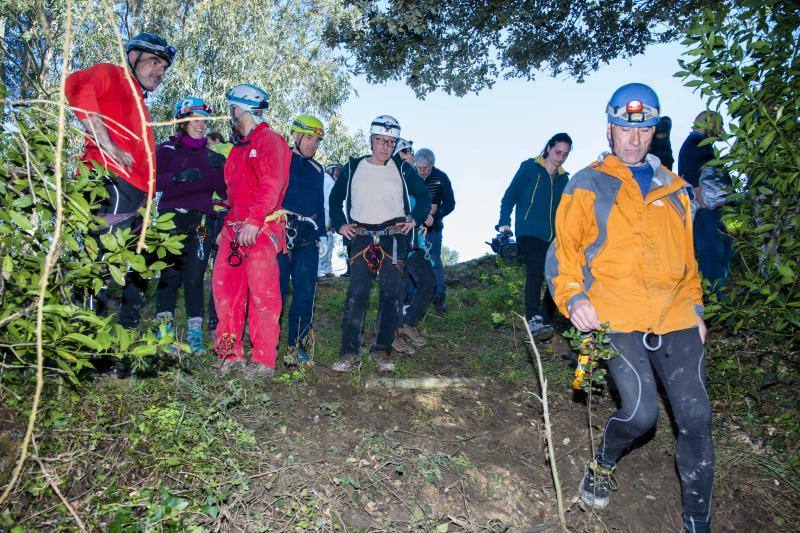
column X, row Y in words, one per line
column 308, row 124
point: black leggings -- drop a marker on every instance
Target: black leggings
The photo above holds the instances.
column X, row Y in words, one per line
column 188, row 268
column 534, row 252
column 680, row 365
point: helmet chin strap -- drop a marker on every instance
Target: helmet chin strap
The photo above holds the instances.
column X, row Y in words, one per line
column 133, row 71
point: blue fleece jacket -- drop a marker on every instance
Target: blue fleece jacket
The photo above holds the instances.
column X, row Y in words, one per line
column 305, row 194
column 534, row 196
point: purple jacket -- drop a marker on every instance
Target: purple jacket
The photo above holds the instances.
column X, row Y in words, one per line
column 173, row 156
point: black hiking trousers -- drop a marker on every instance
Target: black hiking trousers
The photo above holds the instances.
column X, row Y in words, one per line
column 420, row 270
column 391, row 283
column 680, row 365
column 534, row 253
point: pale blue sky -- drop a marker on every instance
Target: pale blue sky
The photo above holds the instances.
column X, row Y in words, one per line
column 480, row 140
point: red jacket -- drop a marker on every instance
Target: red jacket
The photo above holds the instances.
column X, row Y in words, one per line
column 257, row 174
column 104, row 90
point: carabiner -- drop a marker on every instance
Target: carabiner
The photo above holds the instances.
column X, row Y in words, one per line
column 647, row 346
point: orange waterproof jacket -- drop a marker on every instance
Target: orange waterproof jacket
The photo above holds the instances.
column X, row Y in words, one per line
column 632, row 258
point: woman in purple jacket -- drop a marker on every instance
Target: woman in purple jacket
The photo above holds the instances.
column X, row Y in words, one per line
column 188, row 174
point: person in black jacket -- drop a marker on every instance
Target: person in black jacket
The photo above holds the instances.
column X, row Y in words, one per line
column 376, row 191
column 442, row 204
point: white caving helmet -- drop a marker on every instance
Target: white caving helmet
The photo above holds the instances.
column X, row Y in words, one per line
column 385, row 125
column 403, row 144
column 248, row 97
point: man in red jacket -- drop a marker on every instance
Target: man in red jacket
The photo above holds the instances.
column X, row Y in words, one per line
column 109, row 101
column 246, row 274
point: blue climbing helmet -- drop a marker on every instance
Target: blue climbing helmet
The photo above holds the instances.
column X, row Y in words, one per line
column 634, row 105
column 154, row 44
column 191, row 104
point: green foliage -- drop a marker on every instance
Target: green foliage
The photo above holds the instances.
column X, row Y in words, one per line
column 463, row 47
column 745, row 60
column 72, row 334
column 592, row 348
column 449, row 256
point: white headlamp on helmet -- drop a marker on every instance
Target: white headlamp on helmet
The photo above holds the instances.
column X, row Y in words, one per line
column 385, row 125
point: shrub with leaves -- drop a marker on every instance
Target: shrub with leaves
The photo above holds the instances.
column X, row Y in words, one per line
column 746, row 60
column 72, row 334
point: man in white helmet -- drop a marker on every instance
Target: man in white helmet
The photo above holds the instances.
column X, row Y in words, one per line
column 246, row 274
column 376, row 191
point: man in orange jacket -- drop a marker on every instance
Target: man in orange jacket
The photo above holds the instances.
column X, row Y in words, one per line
column 246, row 277
column 623, row 254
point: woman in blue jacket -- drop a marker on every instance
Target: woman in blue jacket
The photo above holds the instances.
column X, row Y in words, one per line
column 534, row 195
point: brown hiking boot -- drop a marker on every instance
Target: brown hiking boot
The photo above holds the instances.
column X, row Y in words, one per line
column 402, row 347
column 347, row 363
column 226, row 366
column 383, row 359
column 412, row 335
column 257, row 370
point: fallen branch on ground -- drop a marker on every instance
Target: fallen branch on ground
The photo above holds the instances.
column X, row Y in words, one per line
column 422, row 383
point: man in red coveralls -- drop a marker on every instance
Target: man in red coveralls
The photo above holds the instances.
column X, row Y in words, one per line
column 108, row 105
column 246, row 275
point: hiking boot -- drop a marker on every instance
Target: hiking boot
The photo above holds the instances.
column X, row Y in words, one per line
column 227, row 366
column 439, row 306
column 598, row 480
column 195, row 338
column 164, row 326
column 400, row 346
column 383, row 359
column 295, row 355
column 412, row 335
column 347, row 363
column 540, row 330
column 257, row 370
column 694, row 525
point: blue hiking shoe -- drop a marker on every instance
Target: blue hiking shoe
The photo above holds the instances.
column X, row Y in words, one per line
column 164, row 326
column 195, row 338
column 295, row 355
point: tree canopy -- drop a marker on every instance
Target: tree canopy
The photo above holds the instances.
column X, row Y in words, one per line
column 277, row 46
column 464, row 46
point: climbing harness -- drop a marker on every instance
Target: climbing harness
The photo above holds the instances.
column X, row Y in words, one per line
column 374, row 254
column 200, row 232
column 291, row 229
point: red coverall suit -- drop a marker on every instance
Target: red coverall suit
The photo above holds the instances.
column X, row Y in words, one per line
column 256, row 173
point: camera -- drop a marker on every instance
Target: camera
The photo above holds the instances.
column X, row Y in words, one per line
column 504, row 245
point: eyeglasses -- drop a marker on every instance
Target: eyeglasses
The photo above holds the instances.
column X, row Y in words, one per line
column 384, row 142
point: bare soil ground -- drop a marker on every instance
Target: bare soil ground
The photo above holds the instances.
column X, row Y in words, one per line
column 314, row 450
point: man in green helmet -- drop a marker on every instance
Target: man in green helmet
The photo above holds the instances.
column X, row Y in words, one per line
column 305, row 225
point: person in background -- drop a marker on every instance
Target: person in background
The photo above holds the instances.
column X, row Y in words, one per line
column 188, row 175
column 662, row 146
column 376, row 191
column 534, row 195
column 246, row 278
column 305, row 226
column 623, row 256
column 405, row 149
column 217, row 142
column 443, row 203
column 692, row 157
column 332, row 172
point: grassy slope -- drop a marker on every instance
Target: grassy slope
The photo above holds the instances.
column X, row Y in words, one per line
column 313, row 450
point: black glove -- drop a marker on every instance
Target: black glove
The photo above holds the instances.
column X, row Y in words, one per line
column 190, row 175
